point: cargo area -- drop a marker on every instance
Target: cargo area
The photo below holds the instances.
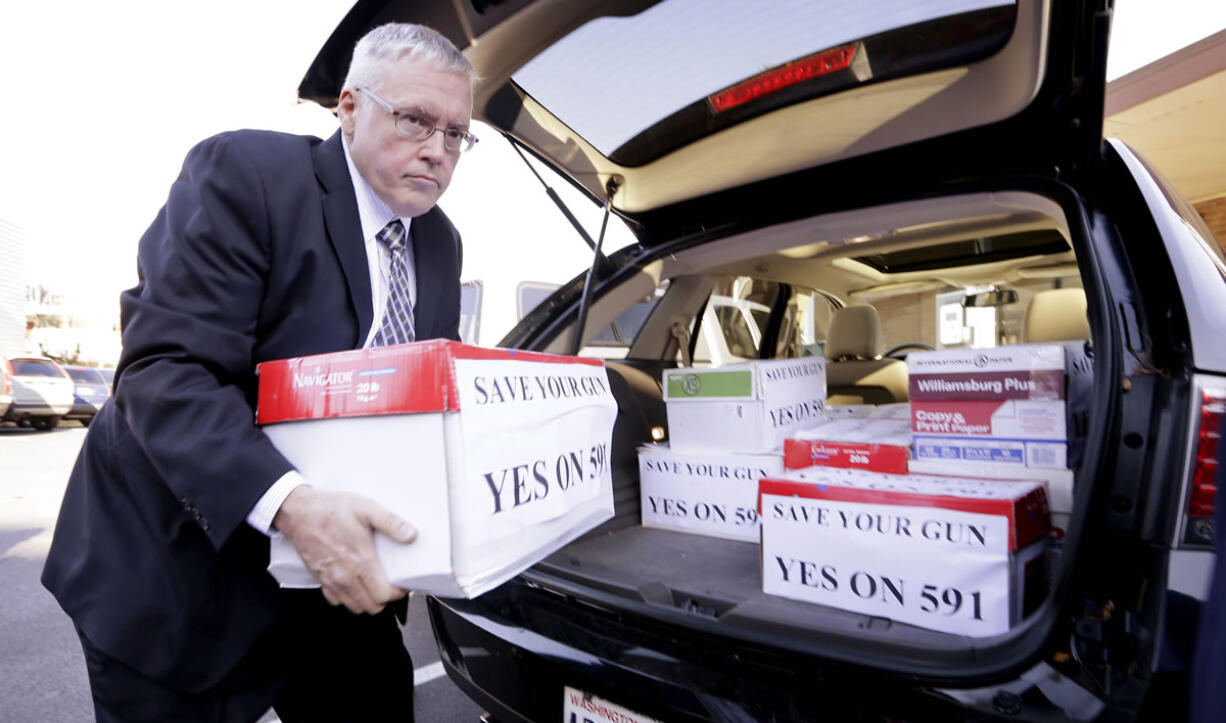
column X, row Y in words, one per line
column 971, row 272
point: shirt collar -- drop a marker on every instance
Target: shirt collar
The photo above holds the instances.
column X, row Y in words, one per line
column 373, row 213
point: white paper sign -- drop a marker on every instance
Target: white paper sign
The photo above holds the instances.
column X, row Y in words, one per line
column 941, row 569
column 536, row 439
column 704, row 493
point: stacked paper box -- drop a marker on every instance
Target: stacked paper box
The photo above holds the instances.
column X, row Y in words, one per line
column 957, row 555
column 706, row 493
column 1015, row 412
column 726, row 428
column 879, row 445
column 750, row 407
column 498, row 458
column 901, row 410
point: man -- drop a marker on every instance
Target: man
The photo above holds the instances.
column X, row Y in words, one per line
column 269, row 246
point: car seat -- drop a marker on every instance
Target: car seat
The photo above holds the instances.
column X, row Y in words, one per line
column 855, row 371
column 1056, row 315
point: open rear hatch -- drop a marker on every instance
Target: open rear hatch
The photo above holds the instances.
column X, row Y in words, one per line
column 713, row 119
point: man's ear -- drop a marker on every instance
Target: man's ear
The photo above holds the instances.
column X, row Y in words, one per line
column 345, row 110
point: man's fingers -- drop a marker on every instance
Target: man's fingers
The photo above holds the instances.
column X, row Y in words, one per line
column 387, row 522
column 332, row 599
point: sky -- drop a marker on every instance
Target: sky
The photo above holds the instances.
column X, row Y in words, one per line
column 105, row 99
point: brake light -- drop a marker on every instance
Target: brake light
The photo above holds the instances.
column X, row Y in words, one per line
column 776, row 79
column 1202, row 491
column 8, row 376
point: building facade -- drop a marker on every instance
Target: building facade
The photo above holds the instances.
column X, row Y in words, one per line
column 12, row 289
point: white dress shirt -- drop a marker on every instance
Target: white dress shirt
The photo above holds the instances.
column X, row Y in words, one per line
column 374, row 214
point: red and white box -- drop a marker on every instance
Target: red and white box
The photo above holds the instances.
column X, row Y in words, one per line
column 877, row 445
column 961, row 556
column 993, row 411
column 496, row 457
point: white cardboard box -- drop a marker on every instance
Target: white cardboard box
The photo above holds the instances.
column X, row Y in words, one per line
column 706, row 493
column 749, row 407
column 957, row 555
column 498, row 458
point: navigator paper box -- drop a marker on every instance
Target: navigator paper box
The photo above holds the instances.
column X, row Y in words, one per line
column 748, row 407
column 496, row 457
column 957, row 555
column 704, row 493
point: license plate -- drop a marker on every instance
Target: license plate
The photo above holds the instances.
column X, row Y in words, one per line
column 580, row 707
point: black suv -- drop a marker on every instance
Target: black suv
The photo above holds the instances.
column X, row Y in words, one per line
column 916, row 156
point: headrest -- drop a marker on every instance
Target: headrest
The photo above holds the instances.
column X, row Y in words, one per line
column 1057, row 315
column 855, row 331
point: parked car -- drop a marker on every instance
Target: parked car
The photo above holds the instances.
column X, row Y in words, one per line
column 908, row 155
column 6, row 387
column 90, row 390
column 42, row 393
column 109, row 375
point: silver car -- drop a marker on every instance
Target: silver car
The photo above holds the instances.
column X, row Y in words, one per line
column 42, row 393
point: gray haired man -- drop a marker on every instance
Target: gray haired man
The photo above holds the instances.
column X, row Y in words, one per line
column 269, row 246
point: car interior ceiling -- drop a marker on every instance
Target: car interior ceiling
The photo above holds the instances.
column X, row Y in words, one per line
column 642, row 564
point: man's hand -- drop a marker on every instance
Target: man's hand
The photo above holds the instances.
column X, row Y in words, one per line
column 333, row 533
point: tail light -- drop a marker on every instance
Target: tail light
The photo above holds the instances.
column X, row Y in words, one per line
column 1202, row 485
column 8, row 376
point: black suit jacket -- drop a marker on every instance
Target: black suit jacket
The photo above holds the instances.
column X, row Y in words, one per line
column 257, row 255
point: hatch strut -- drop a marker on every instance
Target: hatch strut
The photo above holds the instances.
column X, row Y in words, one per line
column 557, row 200
column 586, row 299
column 598, row 257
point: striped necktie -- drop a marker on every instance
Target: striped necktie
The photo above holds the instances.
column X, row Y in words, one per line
column 397, row 327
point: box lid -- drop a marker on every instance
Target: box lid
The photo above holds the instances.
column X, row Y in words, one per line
column 401, row 379
column 735, row 381
column 1021, row 371
column 1024, row 503
column 873, row 430
column 750, row 380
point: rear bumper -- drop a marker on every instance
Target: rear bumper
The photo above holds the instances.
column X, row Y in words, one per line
column 82, row 410
column 515, row 650
column 25, row 410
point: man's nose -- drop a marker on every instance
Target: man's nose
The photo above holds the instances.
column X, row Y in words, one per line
column 432, row 148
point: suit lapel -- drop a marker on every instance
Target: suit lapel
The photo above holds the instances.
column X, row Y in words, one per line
column 430, row 267
column 345, row 229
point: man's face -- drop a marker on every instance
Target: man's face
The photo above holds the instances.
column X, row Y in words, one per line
column 409, row 175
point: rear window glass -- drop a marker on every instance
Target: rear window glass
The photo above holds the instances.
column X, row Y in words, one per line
column 35, row 368
column 681, row 59
column 86, row 376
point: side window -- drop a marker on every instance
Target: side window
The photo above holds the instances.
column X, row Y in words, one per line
column 470, row 311
column 614, row 340
column 738, row 314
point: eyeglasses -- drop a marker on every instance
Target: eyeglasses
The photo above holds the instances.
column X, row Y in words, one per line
column 419, row 127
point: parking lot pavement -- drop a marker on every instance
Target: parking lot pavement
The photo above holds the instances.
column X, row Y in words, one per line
column 42, row 673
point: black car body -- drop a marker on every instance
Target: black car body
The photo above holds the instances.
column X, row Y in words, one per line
column 939, row 153
column 90, row 391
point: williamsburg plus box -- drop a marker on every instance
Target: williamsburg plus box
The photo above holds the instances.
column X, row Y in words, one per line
column 956, row 555
column 878, row 445
column 748, row 407
column 498, row 458
column 993, row 410
column 706, row 493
